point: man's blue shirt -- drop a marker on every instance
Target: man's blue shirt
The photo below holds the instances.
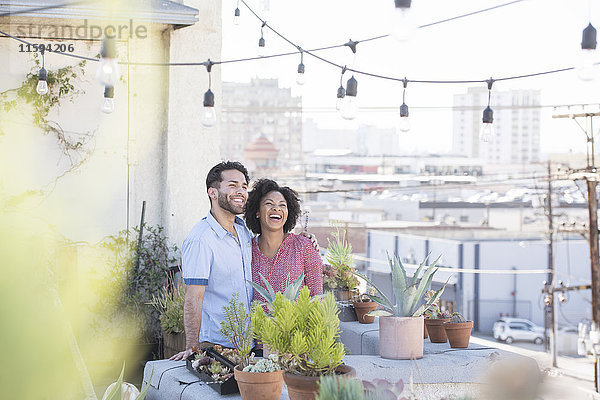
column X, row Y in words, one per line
column 214, row 258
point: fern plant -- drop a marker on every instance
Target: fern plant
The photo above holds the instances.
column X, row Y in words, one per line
column 237, row 328
column 408, row 292
column 304, row 333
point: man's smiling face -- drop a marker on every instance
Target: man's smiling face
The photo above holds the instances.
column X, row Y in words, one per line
column 233, row 191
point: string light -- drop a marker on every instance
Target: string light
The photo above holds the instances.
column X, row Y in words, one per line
column 403, row 23
column 108, row 68
column 209, row 116
column 586, row 70
column 404, row 124
column 108, row 104
column 300, row 77
column 236, row 14
column 341, row 92
column 261, row 41
column 42, row 85
column 487, row 128
column 349, row 108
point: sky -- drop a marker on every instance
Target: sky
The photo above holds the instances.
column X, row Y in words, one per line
column 522, row 38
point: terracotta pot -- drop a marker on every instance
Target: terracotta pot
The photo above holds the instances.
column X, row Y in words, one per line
column 458, row 333
column 435, row 329
column 401, row 338
column 425, row 333
column 362, row 309
column 302, row 387
column 259, row 385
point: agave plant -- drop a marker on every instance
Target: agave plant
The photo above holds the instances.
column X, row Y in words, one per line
column 290, row 292
column 408, row 292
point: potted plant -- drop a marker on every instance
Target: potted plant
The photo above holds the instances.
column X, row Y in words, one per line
column 434, row 320
column 458, row 330
column 363, row 304
column 338, row 274
column 169, row 304
column 305, row 335
column 261, row 381
column 401, row 324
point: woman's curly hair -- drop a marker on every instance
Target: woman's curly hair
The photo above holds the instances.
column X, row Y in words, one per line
column 260, row 189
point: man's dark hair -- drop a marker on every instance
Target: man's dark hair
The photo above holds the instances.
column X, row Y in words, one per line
column 214, row 178
column 260, row 189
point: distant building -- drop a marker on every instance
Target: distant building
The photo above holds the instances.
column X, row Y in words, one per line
column 261, row 108
column 516, row 126
column 261, row 155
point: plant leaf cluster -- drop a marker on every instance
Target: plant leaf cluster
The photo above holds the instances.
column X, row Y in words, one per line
column 304, row 333
column 407, row 292
column 169, row 303
column 237, row 328
column 339, row 272
column 290, row 292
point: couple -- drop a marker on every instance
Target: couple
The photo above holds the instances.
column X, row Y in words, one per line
column 220, row 253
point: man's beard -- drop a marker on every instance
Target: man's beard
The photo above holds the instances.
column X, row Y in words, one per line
column 225, row 204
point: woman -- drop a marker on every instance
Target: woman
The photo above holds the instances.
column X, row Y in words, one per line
column 271, row 213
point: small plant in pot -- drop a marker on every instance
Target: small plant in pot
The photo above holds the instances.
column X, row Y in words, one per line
column 458, row 330
column 401, row 325
column 363, row 304
column 305, row 335
column 338, row 274
column 262, row 380
column 434, row 320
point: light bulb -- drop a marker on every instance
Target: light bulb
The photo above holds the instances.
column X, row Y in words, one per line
column 209, row 117
column 404, row 124
column 236, row 16
column 403, row 23
column 586, row 70
column 42, row 87
column 261, row 47
column 300, row 77
column 108, row 105
column 341, row 93
column 108, row 71
column 349, row 108
column 486, row 133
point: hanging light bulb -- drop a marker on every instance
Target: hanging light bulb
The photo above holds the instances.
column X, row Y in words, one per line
column 341, row 93
column 486, row 132
column 261, row 42
column 236, row 16
column 349, row 108
column 108, row 104
column 586, row 70
column 108, row 67
column 404, row 124
column 42, row 86
column 403, row 22
column 300, row 77
column 209, row 116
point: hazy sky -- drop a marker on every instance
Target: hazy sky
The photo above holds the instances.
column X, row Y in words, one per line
column 526, row 37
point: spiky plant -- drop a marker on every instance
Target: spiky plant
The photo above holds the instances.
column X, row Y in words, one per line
column 237, row 328
column 457, row 318
column 290, row 292
column 408, row 292
column 336, row 388
column 339, row 257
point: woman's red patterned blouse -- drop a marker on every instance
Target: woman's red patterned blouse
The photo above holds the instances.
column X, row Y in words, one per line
column 295, row 256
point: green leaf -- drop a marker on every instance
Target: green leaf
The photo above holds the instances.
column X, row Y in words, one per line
column 418, row 271
column 261, row 290
column 117, row 391
column 384, row 300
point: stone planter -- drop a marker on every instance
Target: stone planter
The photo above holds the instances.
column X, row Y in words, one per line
column 259, row 385
column 458, row 333
column 362, row 309
column 173, row 343
column 401, row 338
column 302, row 387
column 436, row 331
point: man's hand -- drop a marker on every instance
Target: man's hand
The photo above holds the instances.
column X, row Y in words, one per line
column 312, row 238
column 182, row 355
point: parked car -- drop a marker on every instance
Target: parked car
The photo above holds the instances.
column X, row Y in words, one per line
column 511, row 329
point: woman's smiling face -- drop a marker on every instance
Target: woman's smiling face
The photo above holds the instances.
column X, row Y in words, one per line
column 273, row 211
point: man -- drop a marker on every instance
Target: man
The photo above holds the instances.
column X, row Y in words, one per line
column 216, row 257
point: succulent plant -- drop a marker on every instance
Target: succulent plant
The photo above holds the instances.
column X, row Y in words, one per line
column 332, row 387
column 290, row 292
column 457, row 317
column 264, row 365
column 382, row 389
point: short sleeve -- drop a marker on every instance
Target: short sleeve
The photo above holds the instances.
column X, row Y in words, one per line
column 196, row 259
column 313, row 269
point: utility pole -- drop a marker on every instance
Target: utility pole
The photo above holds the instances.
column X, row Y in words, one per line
column 590, row 175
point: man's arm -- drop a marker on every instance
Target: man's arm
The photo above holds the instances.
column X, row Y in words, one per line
column 192, row 319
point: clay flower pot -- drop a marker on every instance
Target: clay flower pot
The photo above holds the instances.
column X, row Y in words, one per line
column 458, row 333
column 435, row 328
column 401, row 338
column 259, row 385
column 362, row 309
column 302, row 387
